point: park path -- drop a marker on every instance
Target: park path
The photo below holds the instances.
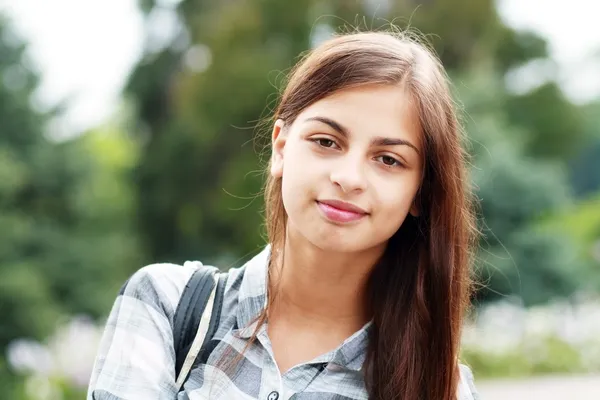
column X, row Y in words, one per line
column 542, row 388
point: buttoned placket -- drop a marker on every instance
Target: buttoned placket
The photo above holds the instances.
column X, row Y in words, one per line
column 271, row 387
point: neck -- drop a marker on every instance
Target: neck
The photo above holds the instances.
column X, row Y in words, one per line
column 322, row 288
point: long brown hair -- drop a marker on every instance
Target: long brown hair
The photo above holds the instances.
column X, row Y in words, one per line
column 420, row 288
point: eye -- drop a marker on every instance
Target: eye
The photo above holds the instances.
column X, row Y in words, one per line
column 325, row 142
column 389, row 161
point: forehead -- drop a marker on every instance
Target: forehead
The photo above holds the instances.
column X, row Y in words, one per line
column 373, row 110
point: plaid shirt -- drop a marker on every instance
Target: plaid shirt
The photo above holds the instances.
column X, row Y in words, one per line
column 136, row 357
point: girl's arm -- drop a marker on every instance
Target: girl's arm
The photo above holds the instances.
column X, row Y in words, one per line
column 136, row 359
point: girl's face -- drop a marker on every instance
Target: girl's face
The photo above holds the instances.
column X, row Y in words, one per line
column 351, row 165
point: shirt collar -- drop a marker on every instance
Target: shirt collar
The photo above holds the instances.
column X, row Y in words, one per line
column 353, row 352
column 252, row 297
column 252, row 300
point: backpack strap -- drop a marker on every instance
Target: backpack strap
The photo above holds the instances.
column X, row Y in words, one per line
column 209, row 345
column 196, row 318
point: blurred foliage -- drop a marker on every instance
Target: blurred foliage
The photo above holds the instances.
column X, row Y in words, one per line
column 516, row 190
column 67, row 237
column 179, row 177
column 544, row 356
column 585, row 165
column 581, row 223
column 198, row 179
column 555, row 125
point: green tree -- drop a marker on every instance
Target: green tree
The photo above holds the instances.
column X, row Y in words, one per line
column 67, row 238
column 29, row 176
column 196, row 194
column 516, row 191
column 585, row 165
column 555, row 126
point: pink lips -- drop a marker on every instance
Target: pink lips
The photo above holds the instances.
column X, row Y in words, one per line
column 340, row 212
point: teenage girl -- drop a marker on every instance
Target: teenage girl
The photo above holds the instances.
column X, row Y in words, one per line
column 361, row 289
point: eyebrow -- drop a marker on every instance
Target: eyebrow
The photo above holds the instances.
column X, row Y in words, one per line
column 376, row 141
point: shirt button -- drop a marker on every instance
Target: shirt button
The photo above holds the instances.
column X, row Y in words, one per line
column 273, row 396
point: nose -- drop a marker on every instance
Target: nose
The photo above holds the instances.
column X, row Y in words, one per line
column 349, row 174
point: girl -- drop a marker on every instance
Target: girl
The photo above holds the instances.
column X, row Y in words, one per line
column 361, row 291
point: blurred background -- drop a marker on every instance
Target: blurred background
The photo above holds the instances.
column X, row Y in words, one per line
column 127, row 137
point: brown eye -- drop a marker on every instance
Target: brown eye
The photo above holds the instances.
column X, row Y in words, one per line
column 326, row 142
column 389, row 161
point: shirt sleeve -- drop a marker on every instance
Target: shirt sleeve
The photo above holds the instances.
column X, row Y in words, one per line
column 467, row 380
column 136, row 359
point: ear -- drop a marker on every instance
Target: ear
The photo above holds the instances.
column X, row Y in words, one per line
column 278, row 138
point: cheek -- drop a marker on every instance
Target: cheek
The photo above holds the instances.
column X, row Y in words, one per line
column 298, row 177
column 300, row 165
column 395, row 202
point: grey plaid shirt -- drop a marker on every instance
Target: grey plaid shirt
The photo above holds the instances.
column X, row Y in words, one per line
column 136, row 357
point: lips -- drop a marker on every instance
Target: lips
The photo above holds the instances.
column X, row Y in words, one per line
column 340, row 211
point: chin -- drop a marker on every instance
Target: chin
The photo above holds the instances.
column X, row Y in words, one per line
column 330, row 237
column 335, row 246
column 337, row 240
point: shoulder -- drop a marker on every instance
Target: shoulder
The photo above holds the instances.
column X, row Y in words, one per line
column 466, row 386
column 159, row 285
column 235, row 276
column 135, row 356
